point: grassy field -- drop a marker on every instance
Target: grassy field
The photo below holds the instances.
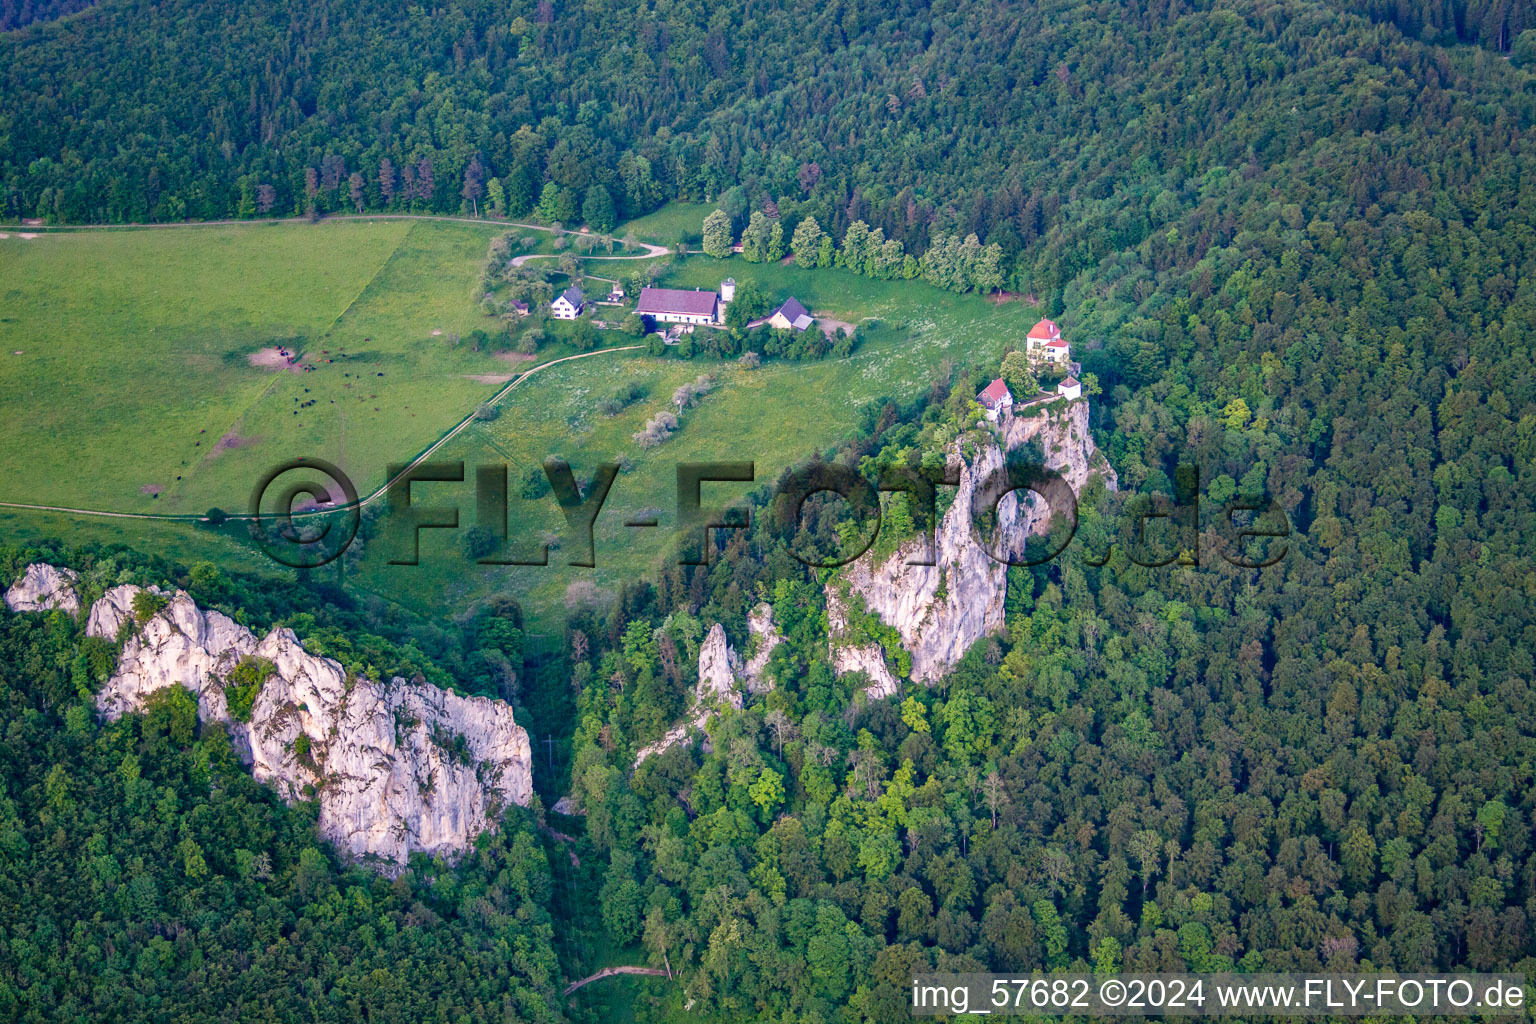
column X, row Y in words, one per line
column 668, row 224
column 134, row 356
column 773, row 416
column 134, row 365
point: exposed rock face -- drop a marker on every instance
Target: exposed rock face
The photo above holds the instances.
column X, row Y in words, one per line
column 847, row 656
column 1068, row 447
column 42, row 588
column 719, row 666
column 722, row 678
column 397, row 767
column 941, row 610
column 760, row 623
column 696, row 721
column 110, row 612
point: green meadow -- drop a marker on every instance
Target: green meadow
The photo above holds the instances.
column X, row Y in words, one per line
column 135, row 364
column 135, row 388
column 670, row 223
column 772, row 416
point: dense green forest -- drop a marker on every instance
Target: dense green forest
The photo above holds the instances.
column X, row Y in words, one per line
column 1292, row 240
column 145, row 876
column 16, row 13
column 1062, row 131
column 1491, row 23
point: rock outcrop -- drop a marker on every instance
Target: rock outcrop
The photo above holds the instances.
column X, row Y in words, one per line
column 719, row 667
column 112, row 610
column 396, row 767
column 722, row 678
column 43, row 588
column 848, row 657
column 1069, row 449
column 942, row 609
column 766, row 636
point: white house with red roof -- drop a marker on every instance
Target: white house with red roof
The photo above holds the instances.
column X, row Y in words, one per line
column 1044, row 342
column 996, row 400
column 1069, row 388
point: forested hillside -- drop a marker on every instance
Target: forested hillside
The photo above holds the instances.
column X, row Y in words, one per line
column 16, row 13
column 1294, row 242
column 146, row 876
column 1323, row 764
column 1064, row 130
column 1491, row 23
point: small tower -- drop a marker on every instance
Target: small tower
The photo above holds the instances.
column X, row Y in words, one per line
column 727, row 290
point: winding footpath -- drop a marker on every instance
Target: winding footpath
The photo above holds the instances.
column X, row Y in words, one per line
column 362, row 502
column 651, row 251
column 609, row 972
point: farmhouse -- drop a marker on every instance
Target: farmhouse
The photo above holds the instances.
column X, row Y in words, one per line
column 995, row 399
column 679, row 306
column 1045, row 342
column 568, row 304
column 791, row 315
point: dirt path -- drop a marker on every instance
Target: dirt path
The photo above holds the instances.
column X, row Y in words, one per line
column 651, row 252
column 363, row 502
column 609, row 972
column 467, row 420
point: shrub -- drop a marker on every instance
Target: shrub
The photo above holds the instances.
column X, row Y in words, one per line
column 656, row 430
column 146, row 605
column 243, row 685
column 621, row 398
column 687, row 394
column 478, row 542
column 535, row 484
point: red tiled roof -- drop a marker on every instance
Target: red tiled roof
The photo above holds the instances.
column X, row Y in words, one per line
column 993, row 393
column 1056, row 344
column 1071, row 382
column 677, row 301
column 1045, row 329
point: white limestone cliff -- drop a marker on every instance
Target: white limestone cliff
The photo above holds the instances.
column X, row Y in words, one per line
column 766, row 636
column 43, row 588
column 848, row 657
column 396, row 767
column 719, row 667
column 112, row 610
column 722, row 678
column 941, row 610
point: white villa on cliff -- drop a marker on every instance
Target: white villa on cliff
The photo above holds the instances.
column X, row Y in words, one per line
column 1045, row 343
